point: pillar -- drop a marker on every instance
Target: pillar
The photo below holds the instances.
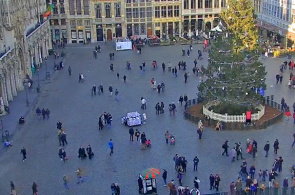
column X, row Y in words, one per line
column 4, row 93
column 8, row 86
column 12, row 81
column 37, row 56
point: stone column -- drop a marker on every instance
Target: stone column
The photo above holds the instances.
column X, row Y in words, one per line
column 12, row 80
column 3, row 89
column 37, row 56
column 8, row 85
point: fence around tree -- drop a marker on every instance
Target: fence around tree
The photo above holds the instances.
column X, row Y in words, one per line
column 269, row 100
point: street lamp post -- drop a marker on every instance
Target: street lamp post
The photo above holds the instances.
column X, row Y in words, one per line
column 2, row 129
column 25, row 83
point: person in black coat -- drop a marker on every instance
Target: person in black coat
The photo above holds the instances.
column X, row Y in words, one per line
column 196, row 182
column 131, row 133
column 211, row 178
column 82, row 152
column 140, row 185
column 89, row 151
column 180, row 100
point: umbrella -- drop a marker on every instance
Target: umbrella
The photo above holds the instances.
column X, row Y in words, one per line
column 150, row 173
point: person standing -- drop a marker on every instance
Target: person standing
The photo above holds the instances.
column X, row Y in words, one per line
column 131, row 133
column 137, row 134
column 254, row 151
column 23, row 151
column 225, row 148
column 47, row 113
column 140, row 185
column 118, row 76
column 293, row 139
column 216, row 182
column 89, row 152
column 143, row 103
column 196, row 182
column 167, row 136
column 185, row 98
column 239, row 186
column 163, row 66
column 12, row 188
column 34, row 188
column 38, row 112
column 266, row 148
column 164, row 175
column 196, row 163
column 211, row 179
column 111, row 90
column 276, row 146
column 65, row 180
column 185, row 77
column 180, row 100
column 143, row 140
column 63, row 137
column 70, row 70
column 111, row 146
column 200, row 132
column 124, row 78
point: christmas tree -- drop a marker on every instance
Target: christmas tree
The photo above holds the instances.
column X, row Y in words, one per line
column 235, row 76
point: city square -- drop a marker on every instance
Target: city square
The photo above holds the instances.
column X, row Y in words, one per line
column 71, row 102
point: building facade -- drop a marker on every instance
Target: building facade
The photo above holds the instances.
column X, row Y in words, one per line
column 24, row 43
column 75, row 21
column 274, row 19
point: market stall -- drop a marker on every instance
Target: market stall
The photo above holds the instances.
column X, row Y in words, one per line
column 148, row 179
column 132, row 119
column 123, row 44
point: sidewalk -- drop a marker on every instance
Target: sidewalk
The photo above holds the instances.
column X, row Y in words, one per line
column 18, row 106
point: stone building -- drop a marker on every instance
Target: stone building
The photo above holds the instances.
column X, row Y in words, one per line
column 24, row 43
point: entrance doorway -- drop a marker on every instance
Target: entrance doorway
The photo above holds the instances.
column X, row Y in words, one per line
column 109, row 35
column 149, row 32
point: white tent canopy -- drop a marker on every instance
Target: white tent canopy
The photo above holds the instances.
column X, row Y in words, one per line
column 216, row 29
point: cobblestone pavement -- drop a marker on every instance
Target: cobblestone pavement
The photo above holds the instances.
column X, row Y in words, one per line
column 72, row 103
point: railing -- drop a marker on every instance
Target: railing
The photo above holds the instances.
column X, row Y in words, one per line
column 37, row 27
column 231, row 118
column 6, row 53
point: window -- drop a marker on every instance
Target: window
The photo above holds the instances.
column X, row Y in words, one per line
column 208, row 3
column 216, row 3
column 98, row 11
column 86, row 7
column 135, row 13
column 185, row 4
column 78, row 7
column 223, row 3
column 118, row 9
column 170, row 11
column 108, row 10
column 73, row 23
column 164, row 11
column 193, row 4
column 62, row 8
column 55, row 22
column 55, row 9
column 128, row 1
column 72, row 7
column 157, row 11
column 157, row 24
column 128, row 13
column 63, row 22
column 176, row 11
column 200, row 4
column 87, row 22
column 142, row 29
column 79, row 23
column 142, row 13
column 136, row 29
column 149, row 12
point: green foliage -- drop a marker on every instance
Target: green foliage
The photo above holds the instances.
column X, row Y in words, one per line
column 232, row 109
column 239, row 20
column 234, row 68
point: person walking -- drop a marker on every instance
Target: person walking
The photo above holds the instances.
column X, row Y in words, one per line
column 63, row 137
column 23, row 151
column 196, row 163
column 131, row 133
column 164, row 175
column 185, row 77
column 266, row 148
column 124, row 78
column 180, row 100
column 47, row 113
column 117, row 95
column 137, row 134
column 200, row 132
column 196, row 182
column 43, row 113
column 79, row 176
column 66, row 181
column 225, row 148
column 38, row 112
column 276, row 146
column 34, row 188
column 118, row 75
column 111, row 90
column 111, row 146
column 167, row 136
column 254, row 151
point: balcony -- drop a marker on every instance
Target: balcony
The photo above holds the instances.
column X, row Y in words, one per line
column 119, row 20
column 202, row 11
column 108, row 20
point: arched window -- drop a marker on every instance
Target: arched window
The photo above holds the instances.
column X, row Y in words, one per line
column 108, row 10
